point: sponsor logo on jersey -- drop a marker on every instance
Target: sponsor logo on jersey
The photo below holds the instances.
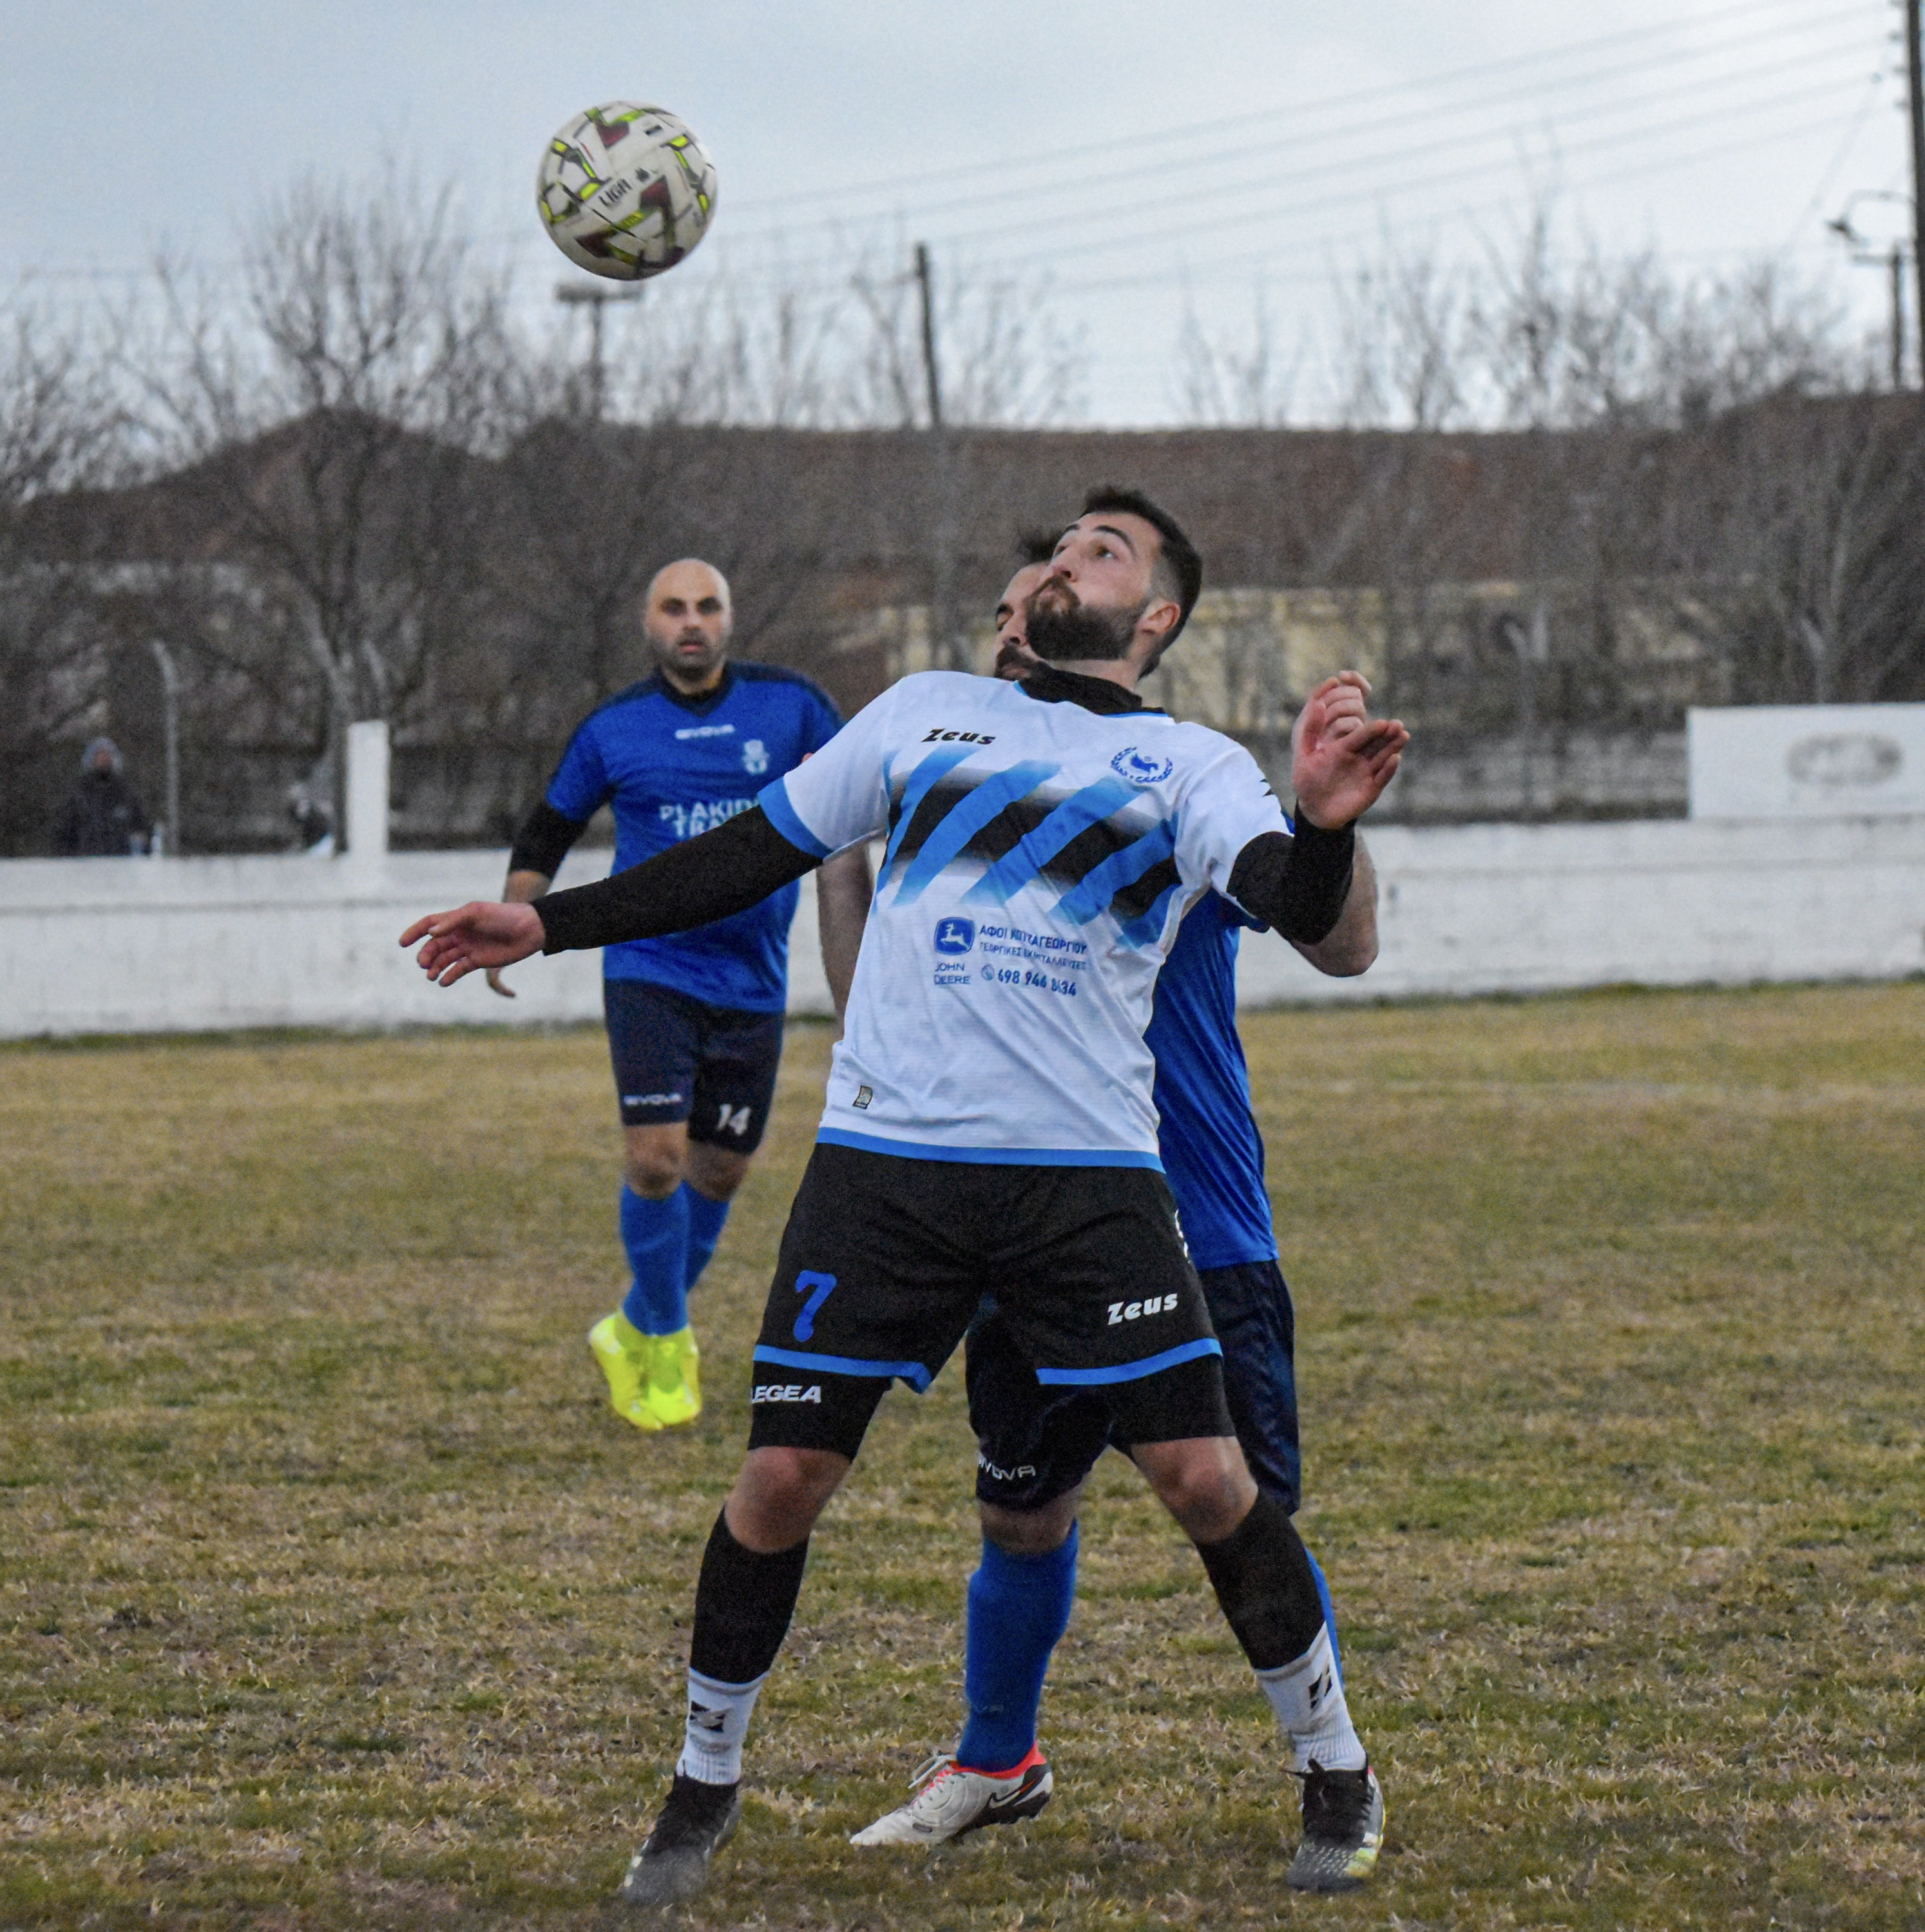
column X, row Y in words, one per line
column 1134, row 1311
column 706, row 731
column 937, row 736
column 786, row 1392
column 1139, row 768
column 955, row 936
column 690, row 821
column 754, row 757
column 1014, row 1475
column 651, row 1099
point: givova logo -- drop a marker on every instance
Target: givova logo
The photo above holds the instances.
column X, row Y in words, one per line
column 954, row 937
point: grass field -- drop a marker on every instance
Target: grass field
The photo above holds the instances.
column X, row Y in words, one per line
column 330, row 1594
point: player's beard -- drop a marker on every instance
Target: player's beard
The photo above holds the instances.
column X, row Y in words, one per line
column 1065, row 629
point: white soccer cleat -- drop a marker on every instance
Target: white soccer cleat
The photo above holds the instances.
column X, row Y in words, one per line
column 953, row 1800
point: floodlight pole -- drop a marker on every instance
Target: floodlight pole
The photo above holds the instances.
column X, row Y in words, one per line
column 1915, row 76
column 595, row 296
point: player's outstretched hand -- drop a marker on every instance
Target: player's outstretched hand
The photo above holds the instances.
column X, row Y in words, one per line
column 474, row 938
column 1343, row 757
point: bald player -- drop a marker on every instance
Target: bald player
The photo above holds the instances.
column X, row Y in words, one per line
column 694, row 1021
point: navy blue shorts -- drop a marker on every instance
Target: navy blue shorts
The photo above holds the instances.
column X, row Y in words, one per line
column 680, row 1059
column 1035, row 1444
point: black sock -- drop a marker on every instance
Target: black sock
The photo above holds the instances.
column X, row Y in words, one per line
column 1262, row 1576
column 743, row 1606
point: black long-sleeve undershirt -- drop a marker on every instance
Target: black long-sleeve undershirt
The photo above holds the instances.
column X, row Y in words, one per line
column 1297, row 885
column 727, row 869
column 544, row 841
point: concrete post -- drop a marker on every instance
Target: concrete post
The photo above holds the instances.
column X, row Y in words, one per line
column 368, row 790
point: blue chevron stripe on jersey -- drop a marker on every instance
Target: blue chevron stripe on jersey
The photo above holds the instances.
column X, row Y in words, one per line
column 1035, row 849
column 922, row 782
column 1092, row 893
column 965, row 819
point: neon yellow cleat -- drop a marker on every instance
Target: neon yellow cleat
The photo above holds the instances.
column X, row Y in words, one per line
column 624, row 1353
column 675, row 1378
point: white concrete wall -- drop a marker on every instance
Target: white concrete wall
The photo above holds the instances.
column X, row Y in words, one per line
column 142, row 945
column 1532, row 908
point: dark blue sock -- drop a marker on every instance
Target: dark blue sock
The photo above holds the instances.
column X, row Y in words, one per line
column 1330, row 1614
column 705, row 1218
column 1018, row 1606
column 655, row 1234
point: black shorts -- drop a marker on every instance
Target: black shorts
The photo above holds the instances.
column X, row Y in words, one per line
column 1035, row 1444
column 680, row 1059
column 886, row 1258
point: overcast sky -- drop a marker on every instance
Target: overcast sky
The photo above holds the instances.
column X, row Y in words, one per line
column 1235, row 144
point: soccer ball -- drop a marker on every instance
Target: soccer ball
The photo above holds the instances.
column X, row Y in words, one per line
column 625, row 191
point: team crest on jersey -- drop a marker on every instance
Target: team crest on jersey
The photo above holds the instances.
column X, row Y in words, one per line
column 754, row 757
column 1131, row 764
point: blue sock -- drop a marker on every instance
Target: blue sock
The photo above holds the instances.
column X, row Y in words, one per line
column 705, row 1218
column 1330, row 1614
column 1018, row 1606
column 655, row 1234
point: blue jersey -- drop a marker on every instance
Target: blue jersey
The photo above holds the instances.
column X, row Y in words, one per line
column 1213, row 1154
column 672, row 766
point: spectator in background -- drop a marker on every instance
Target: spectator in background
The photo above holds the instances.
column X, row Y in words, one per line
column 105, row 818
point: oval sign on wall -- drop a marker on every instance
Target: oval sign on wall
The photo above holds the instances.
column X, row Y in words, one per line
column 1842, row 758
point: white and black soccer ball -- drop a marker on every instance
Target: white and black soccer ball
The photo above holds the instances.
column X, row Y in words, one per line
column 625, row 191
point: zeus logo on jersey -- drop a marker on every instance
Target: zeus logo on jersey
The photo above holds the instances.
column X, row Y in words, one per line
column 1134, row 1311
column 939, row 737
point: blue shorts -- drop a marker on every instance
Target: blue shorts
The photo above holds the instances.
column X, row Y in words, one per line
column 678, row 1058
column 1035, row 1444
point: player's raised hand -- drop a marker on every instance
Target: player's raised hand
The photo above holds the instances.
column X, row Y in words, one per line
column 473, row 938
column 1343, row 758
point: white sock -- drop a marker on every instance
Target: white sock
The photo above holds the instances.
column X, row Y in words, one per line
column 718, row 1715
column 1308, row 1697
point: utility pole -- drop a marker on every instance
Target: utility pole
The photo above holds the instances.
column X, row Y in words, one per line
column 948, row 649
column 1890, row 257
column 1914, row 75
column 595, row 296
column 931, row 374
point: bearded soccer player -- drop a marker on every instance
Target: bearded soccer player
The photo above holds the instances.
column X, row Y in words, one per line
column 694, row 1021
column 989, row 1123
column 1037, row 1445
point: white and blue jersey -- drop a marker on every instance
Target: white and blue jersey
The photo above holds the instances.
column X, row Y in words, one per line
column 1212, row 1153
column 671, row 766
column 1040, row 856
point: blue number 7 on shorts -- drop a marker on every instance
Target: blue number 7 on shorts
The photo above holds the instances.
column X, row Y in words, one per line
column 822, row 1285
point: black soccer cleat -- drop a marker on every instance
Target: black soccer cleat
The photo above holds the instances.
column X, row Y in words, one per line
column 696, row 1821
column 1343, row 1827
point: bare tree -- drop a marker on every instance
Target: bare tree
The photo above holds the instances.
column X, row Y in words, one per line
column 58, row 433
column 328, row 435
column 1228, row 379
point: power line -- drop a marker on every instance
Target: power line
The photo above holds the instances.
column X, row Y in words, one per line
column 894, row 183
column 1368, row 192
column 1036, row 187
